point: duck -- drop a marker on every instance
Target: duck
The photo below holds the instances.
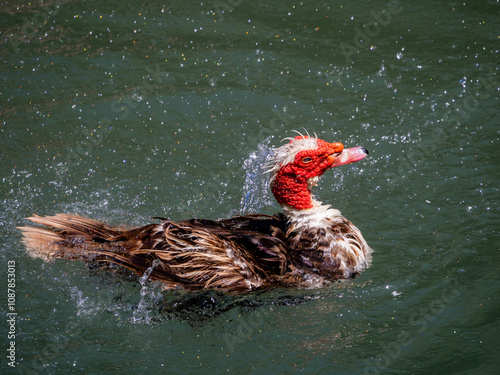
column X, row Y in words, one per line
column 307, row 245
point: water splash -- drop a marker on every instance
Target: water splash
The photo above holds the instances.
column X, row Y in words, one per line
column 83, row 307
column 256, row 188
column 148, row 272
column 148, row 297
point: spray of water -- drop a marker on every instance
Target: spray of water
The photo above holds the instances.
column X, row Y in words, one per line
column 148, row 297
column 256, row 193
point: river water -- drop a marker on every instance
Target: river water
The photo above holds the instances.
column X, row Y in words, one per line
column 122, row 111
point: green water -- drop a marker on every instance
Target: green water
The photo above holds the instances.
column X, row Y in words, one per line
column 121, row 111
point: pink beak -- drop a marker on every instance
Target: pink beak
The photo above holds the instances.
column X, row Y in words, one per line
column 348, row 156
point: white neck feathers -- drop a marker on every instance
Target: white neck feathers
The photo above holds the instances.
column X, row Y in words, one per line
column 318, row 216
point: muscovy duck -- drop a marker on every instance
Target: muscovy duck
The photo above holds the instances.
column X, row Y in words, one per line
column 307, row 245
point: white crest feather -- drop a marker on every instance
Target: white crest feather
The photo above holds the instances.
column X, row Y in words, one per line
column 285, row 154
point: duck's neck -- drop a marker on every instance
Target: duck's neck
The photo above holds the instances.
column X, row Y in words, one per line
column 318, row 216
column 292, row 191
column 294, row 194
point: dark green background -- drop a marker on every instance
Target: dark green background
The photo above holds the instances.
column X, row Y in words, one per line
column 124, row 110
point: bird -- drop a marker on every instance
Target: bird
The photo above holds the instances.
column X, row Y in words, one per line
column 307, row 245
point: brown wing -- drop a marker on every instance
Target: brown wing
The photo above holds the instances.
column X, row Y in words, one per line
column 238, row 254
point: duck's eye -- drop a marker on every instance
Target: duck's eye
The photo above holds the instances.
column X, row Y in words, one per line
column 307, row 159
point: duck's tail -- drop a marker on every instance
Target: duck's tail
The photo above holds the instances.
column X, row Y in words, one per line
column 70, row 237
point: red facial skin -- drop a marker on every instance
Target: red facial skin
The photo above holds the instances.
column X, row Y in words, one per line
column 290, row 185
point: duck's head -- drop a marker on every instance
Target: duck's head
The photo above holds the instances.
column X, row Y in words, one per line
column 296, row 166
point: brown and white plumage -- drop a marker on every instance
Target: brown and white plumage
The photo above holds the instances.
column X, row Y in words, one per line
column 305, row 246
